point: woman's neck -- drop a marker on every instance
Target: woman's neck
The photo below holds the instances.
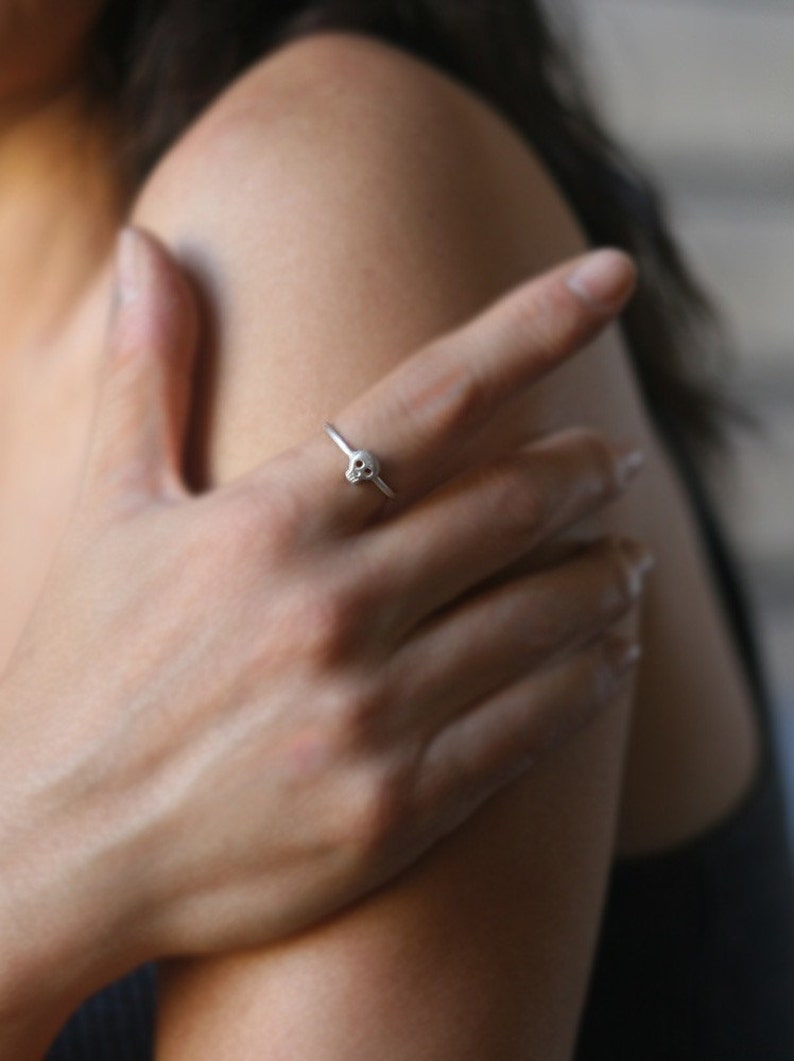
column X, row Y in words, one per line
column 60, row 205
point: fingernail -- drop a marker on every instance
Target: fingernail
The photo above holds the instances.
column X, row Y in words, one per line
column 128, row 266
column 603, row 280
column 640, row 561
column 630, row 460
column 623, row 655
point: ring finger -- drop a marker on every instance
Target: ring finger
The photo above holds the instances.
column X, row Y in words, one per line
column 495, row 639
column 459, row 537
column 477, row 755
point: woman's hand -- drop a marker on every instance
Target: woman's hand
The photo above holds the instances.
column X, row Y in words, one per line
column 232, row 714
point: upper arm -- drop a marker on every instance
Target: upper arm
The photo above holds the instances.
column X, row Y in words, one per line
column 341, row 206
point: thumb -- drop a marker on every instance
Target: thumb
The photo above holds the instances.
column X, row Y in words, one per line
column 135, row 453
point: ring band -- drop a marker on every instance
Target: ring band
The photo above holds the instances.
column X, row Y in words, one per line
column 363, row 466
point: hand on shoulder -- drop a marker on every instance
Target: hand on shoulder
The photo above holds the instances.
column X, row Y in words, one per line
column 339, row 205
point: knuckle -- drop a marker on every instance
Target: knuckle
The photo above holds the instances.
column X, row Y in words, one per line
column 244, row 513
column 227, row 519
column 377, row 809
column 519, row 498
column 207, row 536
column 328, row 624
column 456, row 395
column 255, row 517
column 544, row 318
column 466, row 399
column 319, row 622
column 219, row 541
column 360, row 708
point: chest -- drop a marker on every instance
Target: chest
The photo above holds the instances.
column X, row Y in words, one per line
column 46, row 407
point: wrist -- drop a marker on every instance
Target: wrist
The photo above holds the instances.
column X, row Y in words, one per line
column 60, row 944
column 68, row 925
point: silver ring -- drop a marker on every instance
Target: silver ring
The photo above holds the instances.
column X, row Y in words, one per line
column 363, row 466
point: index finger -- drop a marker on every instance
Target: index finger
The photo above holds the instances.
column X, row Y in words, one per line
column 416, row 419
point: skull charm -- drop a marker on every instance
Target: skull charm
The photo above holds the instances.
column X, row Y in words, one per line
column 362, row 468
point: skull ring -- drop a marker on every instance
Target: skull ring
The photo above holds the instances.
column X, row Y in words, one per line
column 363, row 466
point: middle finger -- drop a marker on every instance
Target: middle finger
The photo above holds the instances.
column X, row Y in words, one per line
column 520, row 628
column 459, row 537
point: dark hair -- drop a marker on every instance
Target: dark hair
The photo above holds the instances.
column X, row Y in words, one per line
column 160, row 62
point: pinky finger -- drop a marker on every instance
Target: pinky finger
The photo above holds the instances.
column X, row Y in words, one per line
column 500, row 740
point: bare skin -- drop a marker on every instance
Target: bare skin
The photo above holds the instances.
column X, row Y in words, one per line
column 544, row 231
column 693, row 722
column 513, row 988
column 114, row 851
column 207, row 784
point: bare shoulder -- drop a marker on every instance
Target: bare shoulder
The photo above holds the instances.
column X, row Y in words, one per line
column 340, row 205
column 333, row 102
column 344, row 190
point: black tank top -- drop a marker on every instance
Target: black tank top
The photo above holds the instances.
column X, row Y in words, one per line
column 695, row 960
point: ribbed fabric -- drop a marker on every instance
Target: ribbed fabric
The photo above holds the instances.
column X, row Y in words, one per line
column 696, row 954
column 115, row 1025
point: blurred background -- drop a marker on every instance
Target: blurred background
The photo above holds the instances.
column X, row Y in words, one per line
column 703, row 90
